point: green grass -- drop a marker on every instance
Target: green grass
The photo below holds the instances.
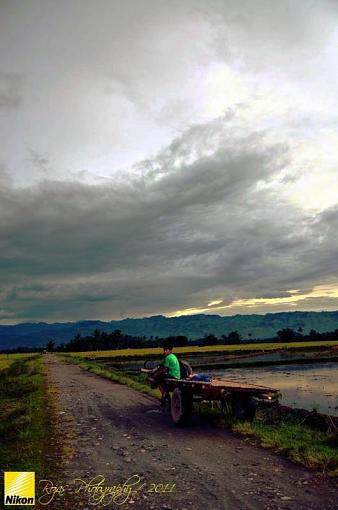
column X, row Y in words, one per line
column 301, row 443
column 136, row 381
column 30, row 438
column 23, row 415
column 288, row 435
column 227, row 349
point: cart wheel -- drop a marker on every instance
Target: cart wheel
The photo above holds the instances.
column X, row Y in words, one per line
column 181, row 406
column 244, row 407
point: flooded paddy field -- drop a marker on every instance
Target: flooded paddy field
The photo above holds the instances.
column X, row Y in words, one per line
column 306, row 378
column 312, row 386
column 209, row 361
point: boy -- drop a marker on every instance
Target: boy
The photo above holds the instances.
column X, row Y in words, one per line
column 172, row 371
column 171, row 362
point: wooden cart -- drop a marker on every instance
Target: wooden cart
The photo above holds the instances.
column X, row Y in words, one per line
column 240, row 397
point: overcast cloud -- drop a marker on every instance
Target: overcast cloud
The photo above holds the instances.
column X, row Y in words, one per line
column 160, row 156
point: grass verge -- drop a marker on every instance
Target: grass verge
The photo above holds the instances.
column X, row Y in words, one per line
column 299, row 442
column 137, row 382
column 26, row 418
column 23, row 416
column 30, row 424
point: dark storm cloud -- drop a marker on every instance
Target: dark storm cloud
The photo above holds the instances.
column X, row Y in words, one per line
column 117, row 225
column 192, row 226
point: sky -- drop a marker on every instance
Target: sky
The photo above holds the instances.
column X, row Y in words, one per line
column 167, row 157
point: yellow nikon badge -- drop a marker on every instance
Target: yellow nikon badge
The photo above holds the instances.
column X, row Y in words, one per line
column 19, row 488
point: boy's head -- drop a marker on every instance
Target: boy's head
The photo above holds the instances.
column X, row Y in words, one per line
column 167, row 348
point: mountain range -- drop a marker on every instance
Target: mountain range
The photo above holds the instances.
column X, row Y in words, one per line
column 194, row 326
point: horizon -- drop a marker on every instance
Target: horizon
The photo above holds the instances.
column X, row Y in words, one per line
column 170, row 317
column 167, row 158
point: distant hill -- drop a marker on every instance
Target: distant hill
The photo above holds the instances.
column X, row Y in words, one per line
column 193, row 326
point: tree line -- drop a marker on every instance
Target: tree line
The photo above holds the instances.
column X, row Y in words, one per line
column 101, row 340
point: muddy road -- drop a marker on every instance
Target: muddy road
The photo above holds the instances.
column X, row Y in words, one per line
column 119, row 433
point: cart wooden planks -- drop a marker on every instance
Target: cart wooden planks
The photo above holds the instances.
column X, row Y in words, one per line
column 241, row 397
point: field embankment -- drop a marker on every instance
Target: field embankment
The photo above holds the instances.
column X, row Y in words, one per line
column 26, row 415
column 23, row 418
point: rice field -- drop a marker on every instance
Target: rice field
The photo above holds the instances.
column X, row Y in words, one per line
column 7, row 359
column 141, row 353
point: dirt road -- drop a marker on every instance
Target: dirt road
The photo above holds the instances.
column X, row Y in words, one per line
column 120, row 433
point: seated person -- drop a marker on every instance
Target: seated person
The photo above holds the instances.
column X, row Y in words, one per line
column 169, row 369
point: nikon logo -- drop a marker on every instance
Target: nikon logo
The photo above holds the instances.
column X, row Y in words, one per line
column 19, row 488
column 16, row 500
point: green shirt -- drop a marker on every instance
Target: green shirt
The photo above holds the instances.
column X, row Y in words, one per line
column 172, row 363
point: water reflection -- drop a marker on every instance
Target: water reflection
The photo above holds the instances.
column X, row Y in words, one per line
column 303, row 386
